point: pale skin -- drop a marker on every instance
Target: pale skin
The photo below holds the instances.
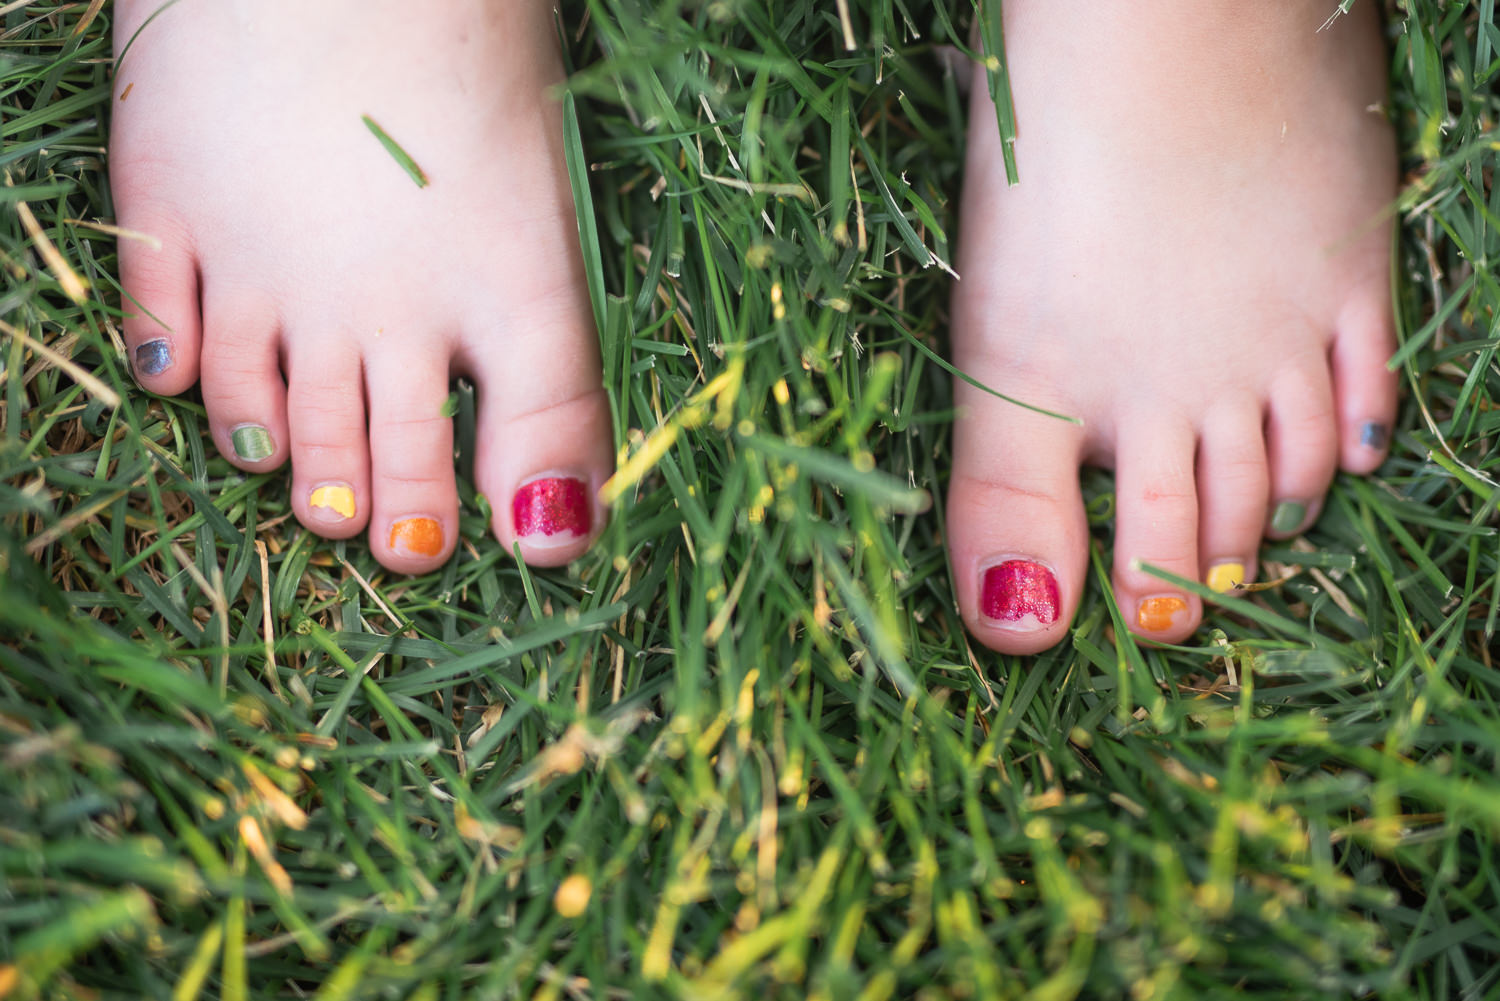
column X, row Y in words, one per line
column 1194, row 265
column 319, row 294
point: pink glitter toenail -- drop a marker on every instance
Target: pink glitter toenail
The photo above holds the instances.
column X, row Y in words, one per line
column 1016, row 589
column 552, row 506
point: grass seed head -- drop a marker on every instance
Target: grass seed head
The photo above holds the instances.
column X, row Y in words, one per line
column 572, row 896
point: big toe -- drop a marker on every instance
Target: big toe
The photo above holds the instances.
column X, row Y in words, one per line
column 1016, row 527
column 544, row 444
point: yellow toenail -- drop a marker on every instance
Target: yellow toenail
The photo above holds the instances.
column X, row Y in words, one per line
column 1157, row 614
column 1224, row 577
column 338, row 499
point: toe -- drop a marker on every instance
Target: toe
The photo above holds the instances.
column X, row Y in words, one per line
column 1156, row 514
column 544, row 442
column 243, row 390
column 1301, row 446
column 1016, row 526
column 330, row 453
column 1233, row 484
column 1364, row 389
column 414, row 502
column 162, row 324
column 542, row 470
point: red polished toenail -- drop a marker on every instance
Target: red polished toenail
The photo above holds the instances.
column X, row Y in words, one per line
column 552, row 506
column 1017, row 588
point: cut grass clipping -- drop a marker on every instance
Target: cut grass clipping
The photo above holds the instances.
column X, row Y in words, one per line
column 743, row 748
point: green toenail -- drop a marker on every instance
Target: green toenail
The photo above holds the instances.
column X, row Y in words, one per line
column 252, row 443
column 1288, row 517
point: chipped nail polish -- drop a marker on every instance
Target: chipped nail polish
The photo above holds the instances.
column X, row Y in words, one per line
column 153, row 357
column 554, row 505
column 1159, row 613
column 252, row 443
column 418, row 536
column 1224, row 577
column 1373, row 434
column 336, row 497
column 1288, row 517
column 1017, row 590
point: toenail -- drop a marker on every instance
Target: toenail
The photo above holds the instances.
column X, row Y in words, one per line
column 553, row 505
column 1017, row 590
column 153, row 357
column 419, row 536
column 252, row 443
column 1160, row 613
column 1373, row 434
column 1224, row 577
column 336, row 497
column 1289, row 517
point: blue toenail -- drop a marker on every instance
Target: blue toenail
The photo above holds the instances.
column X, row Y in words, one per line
column 1373, row 434
column 153, row 357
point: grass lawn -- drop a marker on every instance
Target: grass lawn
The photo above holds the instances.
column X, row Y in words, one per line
column 744, row 747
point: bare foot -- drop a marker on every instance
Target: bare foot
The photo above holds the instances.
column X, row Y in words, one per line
column 324, row 299
column 1196, row 264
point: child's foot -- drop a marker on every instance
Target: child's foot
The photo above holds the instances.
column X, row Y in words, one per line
column 1195, row 264
column 324, row 299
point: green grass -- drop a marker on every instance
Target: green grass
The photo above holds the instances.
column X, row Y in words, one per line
column 238, row 761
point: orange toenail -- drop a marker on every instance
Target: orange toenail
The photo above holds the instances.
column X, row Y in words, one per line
column 1156, row 615
column 417, row 537
column 335, row 497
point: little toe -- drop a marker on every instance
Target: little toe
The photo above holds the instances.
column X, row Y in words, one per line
column 162, row 323
column 243, row 390
column 1016, row 527
column 1364, row 388
column 1233, row 484
column 414, row 501
column 330, row 452
column 1301, row 447
column 1156, row 513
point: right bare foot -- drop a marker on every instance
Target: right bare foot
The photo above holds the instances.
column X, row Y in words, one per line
column 1196, row 265
column 324, row 299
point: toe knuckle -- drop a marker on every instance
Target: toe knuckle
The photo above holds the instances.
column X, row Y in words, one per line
column 415, row 481
column 321, row 452
column 326, row 413
column 1164, row 495
column 1240, row 468
column 430, row 429
column 1004, row 492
